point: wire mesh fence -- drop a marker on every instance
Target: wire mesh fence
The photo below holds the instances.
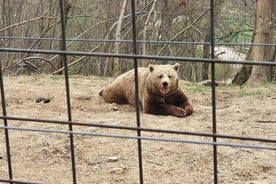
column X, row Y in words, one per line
column 135, row 137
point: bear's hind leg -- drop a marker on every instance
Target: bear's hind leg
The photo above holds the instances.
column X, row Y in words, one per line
column 113, row 96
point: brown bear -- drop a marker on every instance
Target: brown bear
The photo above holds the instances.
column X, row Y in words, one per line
column 159, row 91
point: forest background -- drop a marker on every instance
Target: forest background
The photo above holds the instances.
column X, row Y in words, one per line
column 179, row 28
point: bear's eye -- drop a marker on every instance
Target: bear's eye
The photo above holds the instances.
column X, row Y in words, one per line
column 160, row 76
column 169, row 76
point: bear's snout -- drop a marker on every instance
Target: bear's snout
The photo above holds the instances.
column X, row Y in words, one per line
column 165, row 84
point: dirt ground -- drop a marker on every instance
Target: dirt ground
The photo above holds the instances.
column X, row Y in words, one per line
column 45, row 157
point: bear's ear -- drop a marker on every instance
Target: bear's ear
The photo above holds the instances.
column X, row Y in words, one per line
column 151, row 67
column 176, row 66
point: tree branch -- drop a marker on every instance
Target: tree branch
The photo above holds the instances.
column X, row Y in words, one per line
column 73, row 63
column 23, row 22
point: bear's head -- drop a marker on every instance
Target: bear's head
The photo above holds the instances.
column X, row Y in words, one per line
column 163, row 80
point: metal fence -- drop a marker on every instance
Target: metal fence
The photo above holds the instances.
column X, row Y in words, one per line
column 139, row 137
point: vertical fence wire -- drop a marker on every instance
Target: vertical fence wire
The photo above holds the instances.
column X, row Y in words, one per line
column 135, row 51
column 4, row 111
column 66, row 73
column 213, row 79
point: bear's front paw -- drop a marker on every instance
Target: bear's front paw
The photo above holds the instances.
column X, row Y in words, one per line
column 180, row 112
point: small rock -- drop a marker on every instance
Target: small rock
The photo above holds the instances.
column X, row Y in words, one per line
column 112, row 159
column 44, row 100
column 47, row 100
column 118, row 170
column 38, row 100
column 115, row 108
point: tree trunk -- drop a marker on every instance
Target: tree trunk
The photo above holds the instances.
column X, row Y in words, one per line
column 67, row 7
column 243, row 75
column 206, row 54
column 118, row 37
column 265, row 13
column 206, row 48
column 263, row 34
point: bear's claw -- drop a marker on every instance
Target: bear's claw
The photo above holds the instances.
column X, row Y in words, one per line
column 180, row 112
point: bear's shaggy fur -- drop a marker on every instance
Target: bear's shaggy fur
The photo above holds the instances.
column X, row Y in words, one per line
column 159, row 91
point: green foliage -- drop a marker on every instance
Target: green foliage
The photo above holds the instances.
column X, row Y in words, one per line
column 269, row 83
column 236, row 23
column 250, row 93
column 56, row 77
column 197, row 88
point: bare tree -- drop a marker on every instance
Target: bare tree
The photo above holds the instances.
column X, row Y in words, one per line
column 118, row 37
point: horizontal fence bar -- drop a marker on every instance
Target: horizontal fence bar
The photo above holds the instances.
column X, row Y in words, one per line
column 140, row 138
column 138, row 41
column 139, row 128
column 131, row 56
column 17, row 182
